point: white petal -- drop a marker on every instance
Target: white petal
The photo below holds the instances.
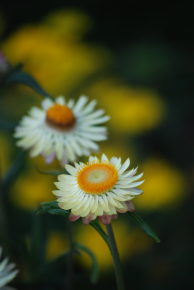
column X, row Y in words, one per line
column 7, row 278
column 87, row 143
column 135, row 191
column 89, row 108
column 72, row 170
column 70, row 103
column 124, row 166
column 80, row 104
column 130, row 173
column 60, row 100
column 135, row 184
column 98, row 120
column 92, row 136
column 36, row 113
column 94, row 115
column 46, row 103
column 104, row 158
column 70, row 152
column 116, row 162
column 93, row 159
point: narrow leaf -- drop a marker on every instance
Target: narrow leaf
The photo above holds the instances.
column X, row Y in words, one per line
column 144, row 226
column 95, row 268
column 51, row 172
column 21, row 77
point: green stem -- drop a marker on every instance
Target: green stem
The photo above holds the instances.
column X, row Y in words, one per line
column 116, row 258
column 70, row 266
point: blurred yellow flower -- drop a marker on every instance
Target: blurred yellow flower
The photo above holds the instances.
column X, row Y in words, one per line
column 70, row 24
column 133, row 110
column 113, row 148
column 164, row 185
column 57, row 245
column 32, row 188
column 129, row 242
column 58, row 63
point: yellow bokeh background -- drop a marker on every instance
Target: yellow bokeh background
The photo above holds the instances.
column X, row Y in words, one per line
column 55, row 52
column 129, row 243
column 164, row 186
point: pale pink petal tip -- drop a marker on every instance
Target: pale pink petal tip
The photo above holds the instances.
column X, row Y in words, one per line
column 49, row 158
column 64, row 161
column 105, row 219
column 87, row 220
column 130, row 206
column 73, row 218
column 114, row 216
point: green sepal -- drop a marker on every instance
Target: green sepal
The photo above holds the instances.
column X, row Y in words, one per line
column 51, row 208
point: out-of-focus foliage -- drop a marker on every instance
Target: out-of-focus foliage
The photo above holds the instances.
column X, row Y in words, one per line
column 129, row 242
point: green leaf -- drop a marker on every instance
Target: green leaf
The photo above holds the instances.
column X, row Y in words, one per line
column 7, row 126
column 18, row 76
column 144, row 226
column 95, row 268
column 51, row 208
column 51, row 172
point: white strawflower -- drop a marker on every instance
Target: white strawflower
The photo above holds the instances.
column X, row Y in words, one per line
column 98, row 188
column 7, row 271
column 65, row 130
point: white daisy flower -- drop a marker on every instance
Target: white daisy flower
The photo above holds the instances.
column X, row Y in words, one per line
column 99, row 188
column 61, row 129
column 7, row 271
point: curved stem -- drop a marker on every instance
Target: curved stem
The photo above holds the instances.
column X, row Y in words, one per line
column 116, row 258
column 70, row 266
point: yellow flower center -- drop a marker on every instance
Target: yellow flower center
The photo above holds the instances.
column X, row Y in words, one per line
column 60, row 117
column 97, row 178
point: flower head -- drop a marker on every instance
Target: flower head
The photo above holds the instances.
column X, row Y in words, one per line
column 100, row 188
column 65, row 130
column 7, row 271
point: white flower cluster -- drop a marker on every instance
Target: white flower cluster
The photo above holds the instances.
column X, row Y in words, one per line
column 7, row 271
column 67, row 130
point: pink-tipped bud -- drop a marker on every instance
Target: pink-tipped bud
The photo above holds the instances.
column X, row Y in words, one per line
column 4, row 65
column 105, row 219
column 114, row 216
column 73, row 218
column 49, row 158
column 86, row 220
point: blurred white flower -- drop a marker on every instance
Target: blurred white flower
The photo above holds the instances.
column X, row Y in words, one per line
column 65, row 130
column 7, row 271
